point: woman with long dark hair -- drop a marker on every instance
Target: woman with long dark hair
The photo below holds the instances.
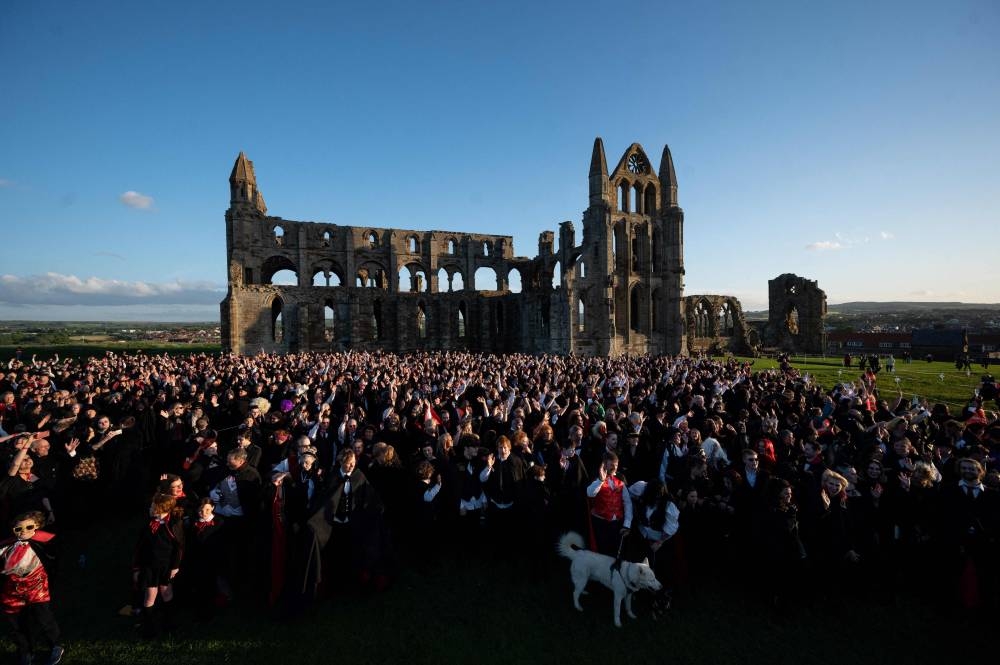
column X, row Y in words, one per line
column 656, row 518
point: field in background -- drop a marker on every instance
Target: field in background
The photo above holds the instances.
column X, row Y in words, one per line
column 934, row 381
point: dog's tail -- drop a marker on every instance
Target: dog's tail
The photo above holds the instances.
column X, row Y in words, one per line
column 569, row 543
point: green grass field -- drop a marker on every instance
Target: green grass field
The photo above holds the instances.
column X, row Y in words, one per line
column 935, row 381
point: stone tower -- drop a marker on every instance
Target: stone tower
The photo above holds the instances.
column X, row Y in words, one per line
column 625, row 280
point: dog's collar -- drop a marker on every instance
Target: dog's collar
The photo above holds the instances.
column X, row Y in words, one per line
column 631, row 586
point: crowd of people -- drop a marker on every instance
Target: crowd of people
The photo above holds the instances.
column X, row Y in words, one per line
column 280, row 478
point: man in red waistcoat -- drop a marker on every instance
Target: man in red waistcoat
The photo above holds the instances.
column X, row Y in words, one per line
column 610, row 508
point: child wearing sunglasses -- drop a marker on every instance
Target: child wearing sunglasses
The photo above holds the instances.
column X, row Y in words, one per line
column 24, row 594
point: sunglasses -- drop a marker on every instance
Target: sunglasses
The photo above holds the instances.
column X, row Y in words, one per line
column 26, row 527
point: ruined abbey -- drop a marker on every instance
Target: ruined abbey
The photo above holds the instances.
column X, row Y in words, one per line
column 619, row 288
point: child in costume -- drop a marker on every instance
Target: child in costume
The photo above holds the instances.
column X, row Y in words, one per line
column 158, row 560
column 24, row 596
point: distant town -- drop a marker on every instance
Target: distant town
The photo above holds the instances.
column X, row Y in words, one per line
column 858, row 328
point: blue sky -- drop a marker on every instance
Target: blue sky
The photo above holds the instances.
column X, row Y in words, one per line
column 855, row 143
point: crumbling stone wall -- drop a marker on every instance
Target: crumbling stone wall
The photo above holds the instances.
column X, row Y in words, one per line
column 619, row 289
column 796, row 315
column 715, row 324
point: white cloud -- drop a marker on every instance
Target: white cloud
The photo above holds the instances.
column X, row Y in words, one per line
column 886, row 235
column 56, row 289
column 136, row 200
column 824, row 246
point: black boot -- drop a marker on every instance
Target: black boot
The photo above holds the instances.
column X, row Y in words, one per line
column 167, row 609
column 149, row 623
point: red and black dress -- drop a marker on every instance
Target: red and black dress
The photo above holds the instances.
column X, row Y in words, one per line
column 159, row 550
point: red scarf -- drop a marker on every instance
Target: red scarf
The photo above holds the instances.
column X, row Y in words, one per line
column 201, row 526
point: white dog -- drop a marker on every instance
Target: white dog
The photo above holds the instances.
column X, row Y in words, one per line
column 623, row 582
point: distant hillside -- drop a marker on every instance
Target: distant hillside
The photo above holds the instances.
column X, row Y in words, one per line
column 897, row 307
column 903, row 306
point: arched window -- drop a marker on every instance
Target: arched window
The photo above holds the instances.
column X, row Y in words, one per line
column 443, row 281
column 457, row 281
column 514, row 280
column 636, row 249
column 277, row 322
column 556, row 276
column 327, row 238
column 285, row 277
column 329, row 323
column 654, row 313
column 581, row 270
column 279, row 270
column 581, row 315
column 726, row 326
column 452, row 246
column 792, row 320
column 279, row 236
column 654, row 258
column 635, row 309
column 623, row 197
column 372, row 240
column 701, row 320
column 376, row 322
column 421, row 321
column 412, row 279
column 325, row 277
column 637, row 198
column 486, row 279
column 650, row 200
column 414, row 245
column 461, row 320
column 404, row 280
column 486, row 248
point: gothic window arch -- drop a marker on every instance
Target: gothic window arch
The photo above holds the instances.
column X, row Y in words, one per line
column 421, row 321
column 279, row 270
column 277, row 320
column 376, row 321
column 726, row 323
column 514, row 278
column 649, row 201
column 329, row 322
column 702, row 314
column 461, row 320
column 637, row 309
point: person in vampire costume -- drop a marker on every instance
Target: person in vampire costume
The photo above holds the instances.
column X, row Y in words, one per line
column 346, row 540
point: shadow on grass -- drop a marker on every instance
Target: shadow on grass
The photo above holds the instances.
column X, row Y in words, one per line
column 487, row 612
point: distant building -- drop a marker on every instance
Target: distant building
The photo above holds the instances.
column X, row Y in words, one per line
column 943, row 344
